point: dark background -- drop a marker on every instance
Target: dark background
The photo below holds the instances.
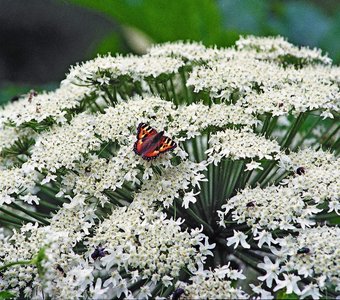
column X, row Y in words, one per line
column 40, row 39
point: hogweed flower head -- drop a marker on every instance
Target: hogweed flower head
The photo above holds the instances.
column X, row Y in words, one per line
column 246, row 206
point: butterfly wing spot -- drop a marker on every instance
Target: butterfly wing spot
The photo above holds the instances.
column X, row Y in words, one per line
column 144, row 131
column 151, row 155
column 166, row 144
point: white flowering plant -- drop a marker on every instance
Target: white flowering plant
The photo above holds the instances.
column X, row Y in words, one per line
column 94, row 205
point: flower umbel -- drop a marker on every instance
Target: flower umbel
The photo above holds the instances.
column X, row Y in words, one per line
column 246, row 206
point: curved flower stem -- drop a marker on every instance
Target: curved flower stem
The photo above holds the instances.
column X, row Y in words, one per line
column 199, row 220
column 30, row 213
column 308, row 132
column 15, row 215
column 174, row 95
column 330, row 136
column 10, row 221
column 11, row 264
column 293, row 130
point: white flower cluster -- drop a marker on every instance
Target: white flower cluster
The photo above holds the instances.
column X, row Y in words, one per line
column 189, row 51
column 41, row 106
column 188, row 120
column 317, row 258
column 167, row 187
column 273, row 208
column 57, row 239
column 149, row 243
column 216, row 284
column 97, row 174
column 240, row 144
column 316, row 179
column 313, row 255
column 137, row 68
column 267, row 86
column 63, row 145
column 191, row 222
column 276, row 48
column 15, row 183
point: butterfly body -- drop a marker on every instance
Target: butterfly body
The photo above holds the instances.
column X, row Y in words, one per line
column 150, row 143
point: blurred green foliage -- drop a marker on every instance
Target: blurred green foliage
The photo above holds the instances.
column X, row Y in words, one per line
column 220, row 22
column 163, row 20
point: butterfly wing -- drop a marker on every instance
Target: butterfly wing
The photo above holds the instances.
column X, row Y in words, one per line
column 144, row 132
column 166, row 144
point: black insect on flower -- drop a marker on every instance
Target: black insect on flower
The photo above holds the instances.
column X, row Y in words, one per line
column 98, row 252
column 177, row 294
column 15, row 98
column 61, row 270
column 300, row 171
column 250, row 204
column 303, row 250
column 32, row 94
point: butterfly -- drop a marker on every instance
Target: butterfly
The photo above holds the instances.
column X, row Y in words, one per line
column 151, row 143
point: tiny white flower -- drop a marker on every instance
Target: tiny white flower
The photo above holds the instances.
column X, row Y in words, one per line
column 290, row 283
column 272, row 269
column 189, row 198
column 310, row 290
column 253, row 166
column 97, row 291
column 238, row 237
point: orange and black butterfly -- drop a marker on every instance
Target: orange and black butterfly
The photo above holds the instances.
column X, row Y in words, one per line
column 151, row 143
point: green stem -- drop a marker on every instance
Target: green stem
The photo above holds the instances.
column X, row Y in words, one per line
column 199, row 220
column 293, row 130
column 266, row 123
column 15, row 215
column 48, row 204
column 20, row 262
column 10, row 221
column 30, row 213
column 174, row 95
column 186, row 91
column 271, row 126
column 330, row 136
column 107, row 92
column 166, row 92
column 308, row 133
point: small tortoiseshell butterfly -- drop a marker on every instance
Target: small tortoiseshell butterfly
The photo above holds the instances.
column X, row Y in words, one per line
column 151, row 143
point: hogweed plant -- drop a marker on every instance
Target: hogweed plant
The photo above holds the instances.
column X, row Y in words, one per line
column 94, row 205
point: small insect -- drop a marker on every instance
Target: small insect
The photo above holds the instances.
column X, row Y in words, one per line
column 88, row 169
column 150, row 143
column 303, row 250
column 300, row 171
column 61, row 270
column 38, row 108
column 15, row 98
column 32, row 94
column 177, row 294
column 98, row 252
column 250, row 204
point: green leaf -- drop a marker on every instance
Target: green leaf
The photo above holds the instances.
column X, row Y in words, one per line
column 6, row 295
column 110, row 43
column 164, row 20
column 283, row 295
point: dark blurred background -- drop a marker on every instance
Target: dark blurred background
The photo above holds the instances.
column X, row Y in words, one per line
column 40, row 39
